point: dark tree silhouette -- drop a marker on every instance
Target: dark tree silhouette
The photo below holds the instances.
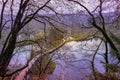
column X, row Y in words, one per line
column 95, row 24
column 27, row 11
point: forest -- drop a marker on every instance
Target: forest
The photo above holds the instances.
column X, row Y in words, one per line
column 59, row 39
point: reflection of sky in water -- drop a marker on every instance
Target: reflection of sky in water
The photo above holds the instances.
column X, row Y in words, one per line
column 20, row 56
column 73, row 59
column 79, row 66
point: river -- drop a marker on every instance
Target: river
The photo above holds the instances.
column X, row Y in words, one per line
column 74, row 63
column 72, row 60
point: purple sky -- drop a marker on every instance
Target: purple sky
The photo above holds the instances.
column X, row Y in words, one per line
column 63, row 6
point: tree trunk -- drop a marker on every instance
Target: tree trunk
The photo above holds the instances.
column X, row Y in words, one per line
column 108, row 40
column 6, row 55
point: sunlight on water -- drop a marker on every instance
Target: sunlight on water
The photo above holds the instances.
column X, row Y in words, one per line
column 77, row 65
column 73, row 62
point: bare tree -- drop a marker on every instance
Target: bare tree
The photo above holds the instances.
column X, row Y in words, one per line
column 18, row 19
column 102, row 26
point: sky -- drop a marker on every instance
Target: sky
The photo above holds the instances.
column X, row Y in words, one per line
column 63, row 6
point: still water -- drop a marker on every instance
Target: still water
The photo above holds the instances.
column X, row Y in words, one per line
column 74, row 63
column 73, row 60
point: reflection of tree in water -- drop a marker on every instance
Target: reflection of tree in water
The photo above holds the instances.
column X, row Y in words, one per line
column 41, row 67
